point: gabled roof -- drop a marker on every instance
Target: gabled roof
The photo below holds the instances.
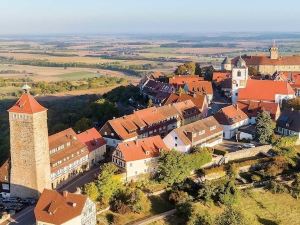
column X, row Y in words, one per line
column 289, row 119
column 201, row 130
column 92, row 139
column 264, row 90
column 252, row 108
column 145, row 148
column 180, row 80
column 197, row 99
column 202, row 87
column 230, row 115
column 55, row 208
column 26, row 104
column 266, row 60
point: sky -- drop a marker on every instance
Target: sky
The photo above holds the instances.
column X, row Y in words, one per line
column 147, row 16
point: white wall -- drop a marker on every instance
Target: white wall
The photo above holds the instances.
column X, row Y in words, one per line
column 139, row 167
column 231, row 130
column 173, row 143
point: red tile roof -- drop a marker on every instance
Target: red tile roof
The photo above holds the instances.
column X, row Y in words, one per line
column 220, row 76
column 266, row 60
column 197, row 99
column 264, row 90
column 27, row 104
column 180, row 80
column 55, row 208
column 252, row 108
column 92, row 139
column 200, row 87
column 142, row 148
column 230, row 115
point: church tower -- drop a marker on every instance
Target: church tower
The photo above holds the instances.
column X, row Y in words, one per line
column 274, row 52
column 29, row 147
column 239, row 78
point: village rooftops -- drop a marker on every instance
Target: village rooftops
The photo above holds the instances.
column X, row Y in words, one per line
column 220, row 76
column 230, row 115
column 181, row 80
column 145, row 148
column 128, row 126
column 56, row 208
column 198, row 130
column 264, row 90
column 202, row 87
column 92, row 139
column 26, row 104
column 289, row 119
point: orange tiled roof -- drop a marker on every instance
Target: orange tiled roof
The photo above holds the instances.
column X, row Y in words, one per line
column 26, row 104
column 92, row 139
column 183, row 79
column 230, row 115
column 197, row 99
column 127, row 126
column 202, row 87
column 266, row 60
column 142, row 148
column 220, row 76
column 252, row 108
column 55, row 208
column 264, row 90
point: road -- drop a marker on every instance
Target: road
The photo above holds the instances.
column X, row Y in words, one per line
column 26, row 216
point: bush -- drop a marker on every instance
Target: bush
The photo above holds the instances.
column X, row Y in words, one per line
column 179, row 197
column 120, row 207
column 276, row 187
column 255, row 178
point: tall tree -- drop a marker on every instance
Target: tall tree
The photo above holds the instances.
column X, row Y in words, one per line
column 91, row 190
column 108, row 184
column 264, row 127
column 231, row 216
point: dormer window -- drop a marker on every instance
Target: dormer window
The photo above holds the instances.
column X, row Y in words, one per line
column 147, row 152
column 212, row 128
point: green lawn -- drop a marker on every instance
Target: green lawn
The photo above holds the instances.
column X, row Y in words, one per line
column 263, row 208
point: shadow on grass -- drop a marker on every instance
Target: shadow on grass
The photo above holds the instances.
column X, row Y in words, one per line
column 160, row 203
column 266, row 221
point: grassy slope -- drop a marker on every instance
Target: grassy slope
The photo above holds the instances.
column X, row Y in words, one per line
column 263, row 207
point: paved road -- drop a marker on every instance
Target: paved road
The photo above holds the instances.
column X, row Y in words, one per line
column 26, row 216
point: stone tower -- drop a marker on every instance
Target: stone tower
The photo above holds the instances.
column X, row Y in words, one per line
column 239, row 78
column 274, row 52
column 226, row 64
column 29, row 147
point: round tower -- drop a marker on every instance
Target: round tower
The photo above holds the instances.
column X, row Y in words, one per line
column 29, row 147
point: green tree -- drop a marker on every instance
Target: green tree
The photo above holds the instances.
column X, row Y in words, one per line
column 108, row 183
column 252, row 71
column 173, row 167
column 186, row 69
column 231, row 216
column 83, row 124
column 199, row 157
column 104, row 110
column 296, row 186
column 264, row 127
column 91, row 190
column 198, row 217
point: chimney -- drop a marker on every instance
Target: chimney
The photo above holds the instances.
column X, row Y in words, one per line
column 65, row 193
column 74, row 204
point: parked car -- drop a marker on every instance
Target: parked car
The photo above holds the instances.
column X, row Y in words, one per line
column 249, row 145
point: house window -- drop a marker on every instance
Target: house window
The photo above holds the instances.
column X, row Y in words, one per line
column 239, row 74
column 176, row 145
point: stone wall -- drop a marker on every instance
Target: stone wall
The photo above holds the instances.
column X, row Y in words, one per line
column 30, row 163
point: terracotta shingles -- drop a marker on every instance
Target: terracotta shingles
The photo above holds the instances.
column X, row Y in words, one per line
column 92, row 139
column 230, row 115
column 26, row 104
column 56, row 208
column 264, row 90
column 142, row 149
column 200, row 87
column 220, row 76
column 197, row 99
column 265, row 60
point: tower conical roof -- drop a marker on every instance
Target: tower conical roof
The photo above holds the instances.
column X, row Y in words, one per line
column 27, row 104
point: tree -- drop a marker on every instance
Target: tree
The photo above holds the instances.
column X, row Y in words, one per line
column 186, row 69
column 264, row 127
column 173, row 167
column 180, row 91
column 82, row 124
column 108, row 184
column 198, row 217
column 252, row 71
column 231, row 216
column 92, row 191
column 296, row 186
column 104, row 110
column 179, row 197
column 199, row 157
column 277, row 166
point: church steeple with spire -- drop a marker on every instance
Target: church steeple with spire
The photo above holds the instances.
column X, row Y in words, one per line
column 274, row 52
